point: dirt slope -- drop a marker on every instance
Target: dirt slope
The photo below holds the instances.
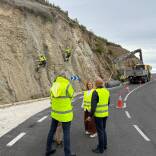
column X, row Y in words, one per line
column 30, row 28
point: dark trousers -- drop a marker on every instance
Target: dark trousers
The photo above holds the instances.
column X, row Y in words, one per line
column 66, row 136
column 43, row 63
column 101, row 130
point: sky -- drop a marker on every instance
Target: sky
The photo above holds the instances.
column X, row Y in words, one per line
column 130, row 23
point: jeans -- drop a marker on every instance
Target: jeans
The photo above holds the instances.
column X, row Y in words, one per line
column 101, row 130
column 66, row 136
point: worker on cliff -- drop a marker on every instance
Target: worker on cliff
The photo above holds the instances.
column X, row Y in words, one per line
column 61, row 94
column 68, row 52
column 42, row 61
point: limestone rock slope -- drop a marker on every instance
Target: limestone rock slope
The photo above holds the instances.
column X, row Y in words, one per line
column 29, row 28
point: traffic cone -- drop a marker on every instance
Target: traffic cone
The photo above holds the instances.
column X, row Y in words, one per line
column 127, row 88
column 120, row 102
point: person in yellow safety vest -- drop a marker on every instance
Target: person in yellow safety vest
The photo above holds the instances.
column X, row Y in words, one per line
column 61, row 94
column 67, row 53
column 99, row 109
column 90, row 127
column 42, row 60
column 122, row 78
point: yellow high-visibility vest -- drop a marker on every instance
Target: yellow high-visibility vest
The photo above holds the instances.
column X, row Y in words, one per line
column 61, row 94
column 42, row 58
column 68, row 50
column 87, row 99
column 102, row 105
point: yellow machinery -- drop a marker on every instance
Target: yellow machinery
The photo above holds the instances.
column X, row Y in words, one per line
column 138, row 73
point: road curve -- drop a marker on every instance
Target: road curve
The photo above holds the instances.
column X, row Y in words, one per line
column 142, row 107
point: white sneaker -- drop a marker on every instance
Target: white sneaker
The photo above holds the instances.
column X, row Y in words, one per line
column 93, row 135
column 86, row 132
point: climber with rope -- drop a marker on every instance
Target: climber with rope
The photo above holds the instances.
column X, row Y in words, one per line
column 67, row 52
column 42, row 62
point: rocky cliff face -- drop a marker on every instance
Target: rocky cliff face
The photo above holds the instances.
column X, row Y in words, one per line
column 29, row 29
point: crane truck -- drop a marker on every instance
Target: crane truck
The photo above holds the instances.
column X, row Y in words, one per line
column 138, row 73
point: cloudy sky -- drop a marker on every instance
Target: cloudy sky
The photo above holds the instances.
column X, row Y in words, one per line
column 130, row 23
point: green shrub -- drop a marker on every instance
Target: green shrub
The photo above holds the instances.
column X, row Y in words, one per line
column 100, row 46
column 110, row 52
column 113, row 44
column 37, row 12
column 99, row 49
column 83, row 28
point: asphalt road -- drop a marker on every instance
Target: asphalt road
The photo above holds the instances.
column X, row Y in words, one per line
column 131, row 131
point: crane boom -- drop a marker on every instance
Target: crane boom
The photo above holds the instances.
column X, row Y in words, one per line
column 126, row 56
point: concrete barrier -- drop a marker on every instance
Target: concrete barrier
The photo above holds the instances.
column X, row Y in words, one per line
column 22, row 102
column 113, row 83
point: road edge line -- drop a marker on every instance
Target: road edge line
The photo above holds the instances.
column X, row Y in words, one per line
column 141, row 133
column 128, row 115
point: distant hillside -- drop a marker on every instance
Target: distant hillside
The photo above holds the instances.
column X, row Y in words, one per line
column 29, row 28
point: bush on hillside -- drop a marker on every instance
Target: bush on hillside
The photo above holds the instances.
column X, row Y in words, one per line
column 100, row 46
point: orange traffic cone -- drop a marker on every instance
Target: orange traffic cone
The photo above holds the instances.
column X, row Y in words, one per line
column 120, row 102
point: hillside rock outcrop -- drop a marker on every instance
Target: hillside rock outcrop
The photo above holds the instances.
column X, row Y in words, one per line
column 29, row 28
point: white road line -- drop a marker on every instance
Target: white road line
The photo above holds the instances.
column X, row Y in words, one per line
column 124, row 106
column 40, row 120
column 142, row 134
column 11, row 143
column 125, row 99
column 130, row 93
column 128, row 115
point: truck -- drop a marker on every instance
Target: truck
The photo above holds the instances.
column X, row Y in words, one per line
column 140, row 73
